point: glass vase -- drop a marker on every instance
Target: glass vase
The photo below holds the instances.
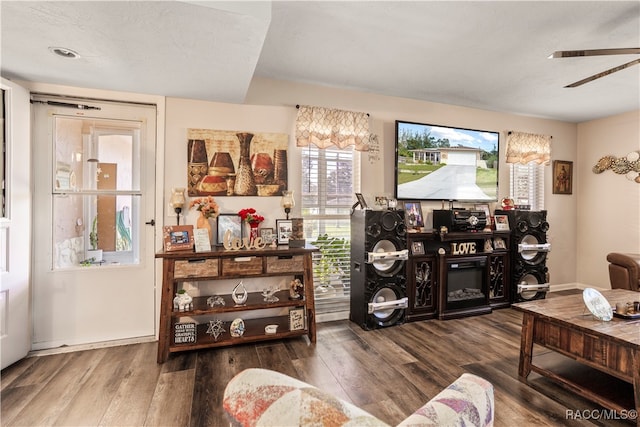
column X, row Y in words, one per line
column 253, row 231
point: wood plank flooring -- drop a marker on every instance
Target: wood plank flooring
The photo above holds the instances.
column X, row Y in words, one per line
column 389, row 372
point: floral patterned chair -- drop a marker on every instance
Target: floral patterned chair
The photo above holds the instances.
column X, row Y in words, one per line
column 260, row 397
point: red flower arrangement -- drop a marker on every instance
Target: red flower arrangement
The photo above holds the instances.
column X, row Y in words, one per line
column 249, row 215
column 206, row 205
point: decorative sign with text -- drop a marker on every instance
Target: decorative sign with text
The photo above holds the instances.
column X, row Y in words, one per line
column 296, row 319
column 463, row 248
column 184, row 333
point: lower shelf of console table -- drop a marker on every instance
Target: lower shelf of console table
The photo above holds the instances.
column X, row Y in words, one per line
column 206, row 324
column 254, row 332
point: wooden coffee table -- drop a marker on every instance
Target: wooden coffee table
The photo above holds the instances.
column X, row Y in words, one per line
column 564, row 325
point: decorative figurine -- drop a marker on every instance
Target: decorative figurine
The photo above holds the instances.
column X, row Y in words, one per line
column 182, row 301
column 215, row 300
column 295, row 289
column 240, row 294
column 269, row 294
column 237, row 328
column 216, row 328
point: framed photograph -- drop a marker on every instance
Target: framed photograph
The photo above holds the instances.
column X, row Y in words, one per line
column 226, row 222
column 502, row 222
column 498, row 243
column 284, row 227
column 296, row 319
column 417, row 248
column 562, row 177
column 178, row 237
column 361, row 200
column 413, row 214
column 266, row 233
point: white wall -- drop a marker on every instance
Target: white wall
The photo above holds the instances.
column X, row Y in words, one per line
column 608, row 203
column 270, row 107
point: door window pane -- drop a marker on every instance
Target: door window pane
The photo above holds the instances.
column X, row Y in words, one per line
column 96, row 188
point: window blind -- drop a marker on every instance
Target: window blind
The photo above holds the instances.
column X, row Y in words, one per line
column 330, row 178
column 527, row 184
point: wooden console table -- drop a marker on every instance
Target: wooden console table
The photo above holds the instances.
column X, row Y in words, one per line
column 565, row 325
column 220, row 264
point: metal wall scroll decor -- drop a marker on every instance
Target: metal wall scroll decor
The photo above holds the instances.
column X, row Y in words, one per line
column 628, row 166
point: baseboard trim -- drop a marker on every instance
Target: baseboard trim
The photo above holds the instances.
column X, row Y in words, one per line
column 90, row 346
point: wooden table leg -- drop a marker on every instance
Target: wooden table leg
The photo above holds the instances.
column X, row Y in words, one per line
column 636, row 382
column 526, row 346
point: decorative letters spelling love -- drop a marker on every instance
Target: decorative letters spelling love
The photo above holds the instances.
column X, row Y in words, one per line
column 236, row 244
column 463, row 248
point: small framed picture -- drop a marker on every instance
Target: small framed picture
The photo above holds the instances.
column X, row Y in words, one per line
column 296, row 319
column 284, row 227
column 361, row 200
column 417, row 248
column 562, row 177
column 502, row 222
column 178, row 237
column 231, row 222
column 266, row 233
column 498, row 243
column 413, row 214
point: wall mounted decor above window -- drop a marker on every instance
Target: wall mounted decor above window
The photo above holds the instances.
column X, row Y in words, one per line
column 628, row 166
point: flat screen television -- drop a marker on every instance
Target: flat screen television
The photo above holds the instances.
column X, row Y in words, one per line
column 435, row 162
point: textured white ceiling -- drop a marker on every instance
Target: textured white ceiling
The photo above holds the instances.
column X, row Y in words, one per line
column 481, row 54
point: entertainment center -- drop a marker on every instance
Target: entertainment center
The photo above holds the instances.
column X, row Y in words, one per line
column 445, row 284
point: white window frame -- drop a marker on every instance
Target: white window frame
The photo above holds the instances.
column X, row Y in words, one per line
column 526, row 184
column 330, row 304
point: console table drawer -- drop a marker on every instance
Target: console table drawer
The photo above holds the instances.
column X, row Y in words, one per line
column 196, row 268
column 284, row 264
column 241, row 265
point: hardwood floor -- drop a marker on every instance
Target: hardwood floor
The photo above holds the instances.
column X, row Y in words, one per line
column 389, row 372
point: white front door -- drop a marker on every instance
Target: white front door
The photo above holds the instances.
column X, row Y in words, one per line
column 94, row 187
column 15, row 225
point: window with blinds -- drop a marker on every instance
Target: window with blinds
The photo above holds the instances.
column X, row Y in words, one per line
column 527, row 184
column 330, row 177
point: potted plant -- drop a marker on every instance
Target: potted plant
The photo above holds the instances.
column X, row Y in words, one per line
column 94, row 254
column 327, row 269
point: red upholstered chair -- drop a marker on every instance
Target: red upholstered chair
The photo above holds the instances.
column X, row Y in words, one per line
column 624, row 271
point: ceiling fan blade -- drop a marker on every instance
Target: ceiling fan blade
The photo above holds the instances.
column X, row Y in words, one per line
column 604, row 73
column 594, row 52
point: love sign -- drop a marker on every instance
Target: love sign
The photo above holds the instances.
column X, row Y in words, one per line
column 236, row 244
column 463, row 248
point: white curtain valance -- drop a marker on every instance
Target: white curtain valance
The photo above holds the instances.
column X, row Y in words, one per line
column 528, row 147
column 325, row 127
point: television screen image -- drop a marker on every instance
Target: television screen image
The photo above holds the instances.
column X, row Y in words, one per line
column 436, row 162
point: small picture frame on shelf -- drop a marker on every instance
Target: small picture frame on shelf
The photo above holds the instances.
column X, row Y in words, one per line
column 231, row 222
column 499, row 243
column 502, row 222
column 178, row 237
column 266, row 233
column 361, row 201
column 484, row 207
column 284, row 227
column 413, row 214
column 417, row 248
column 296, row 319
column 296, row 238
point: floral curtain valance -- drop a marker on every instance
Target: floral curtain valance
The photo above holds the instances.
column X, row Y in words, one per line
column 528, row 147
column 325, row 127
